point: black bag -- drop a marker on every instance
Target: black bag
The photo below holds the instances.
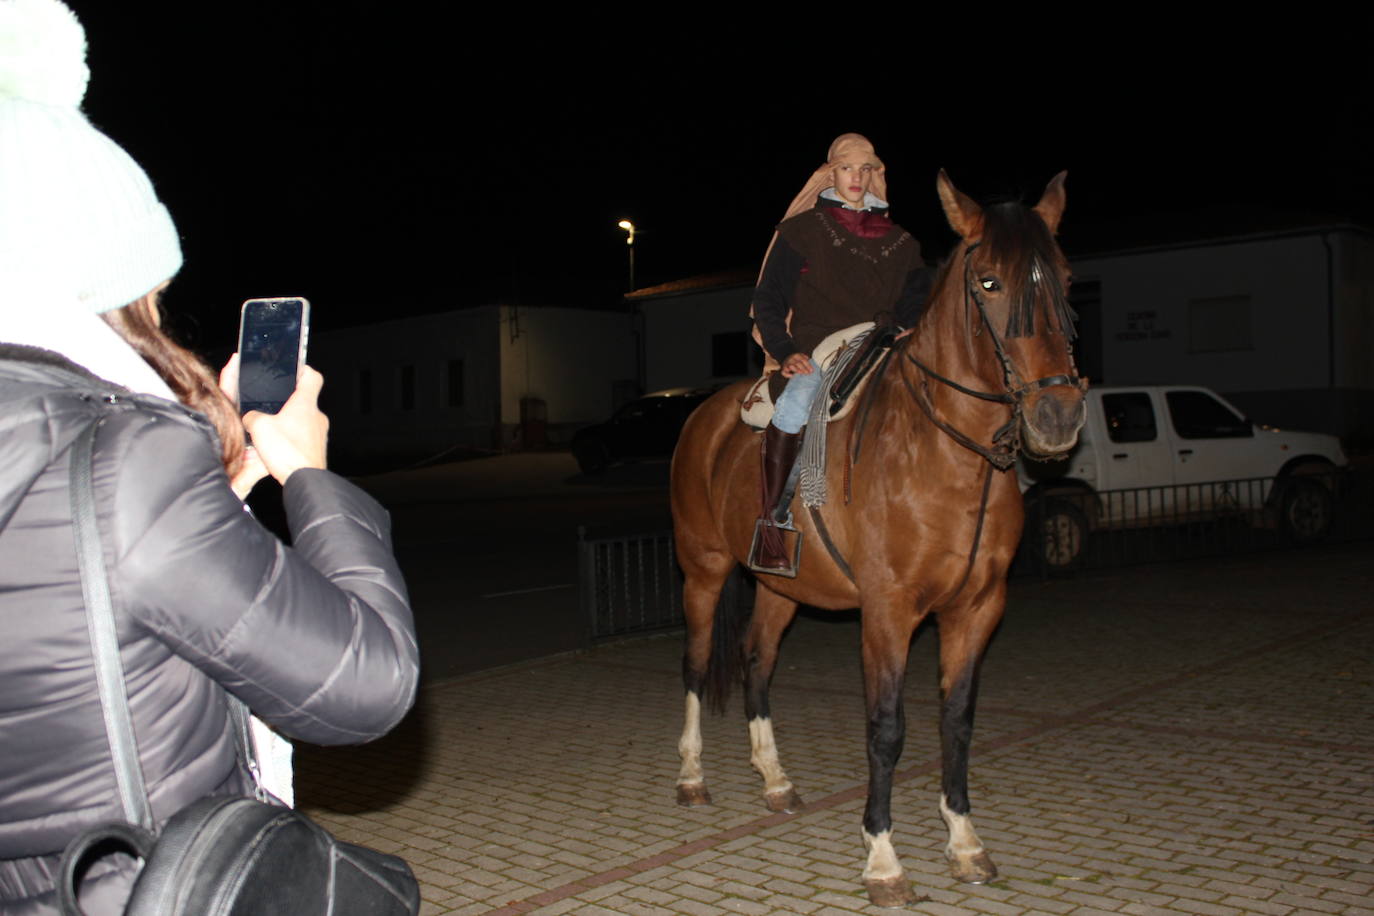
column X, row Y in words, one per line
column 224, row 856
column 242, row 857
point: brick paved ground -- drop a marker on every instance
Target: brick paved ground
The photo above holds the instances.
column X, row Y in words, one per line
column 1190, row 739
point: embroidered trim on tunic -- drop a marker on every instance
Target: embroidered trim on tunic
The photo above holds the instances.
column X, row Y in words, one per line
column 838, row 240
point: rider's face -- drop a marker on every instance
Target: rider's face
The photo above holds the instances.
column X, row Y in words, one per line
column 852, row 177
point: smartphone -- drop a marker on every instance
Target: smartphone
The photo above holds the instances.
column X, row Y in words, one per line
column 272, row 338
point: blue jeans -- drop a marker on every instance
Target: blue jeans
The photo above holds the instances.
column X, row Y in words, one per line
column 794, row 404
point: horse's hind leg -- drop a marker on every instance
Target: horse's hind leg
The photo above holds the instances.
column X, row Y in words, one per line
column 772, row 614
column 707, row 670
column 964, row 635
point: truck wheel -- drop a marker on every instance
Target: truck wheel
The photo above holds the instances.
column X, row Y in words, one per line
column 1059, row 535
column 1305, row 508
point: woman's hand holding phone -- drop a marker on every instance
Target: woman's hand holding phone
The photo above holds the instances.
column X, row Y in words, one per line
column 296, row 437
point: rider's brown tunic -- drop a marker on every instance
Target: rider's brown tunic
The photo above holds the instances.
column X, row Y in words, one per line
column 845, row 278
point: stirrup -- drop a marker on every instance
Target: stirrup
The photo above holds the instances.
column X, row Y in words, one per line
column 787, row 572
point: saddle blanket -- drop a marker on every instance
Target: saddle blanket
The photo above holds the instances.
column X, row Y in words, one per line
column 757, row 407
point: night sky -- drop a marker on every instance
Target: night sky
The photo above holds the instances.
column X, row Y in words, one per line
column 388, row 159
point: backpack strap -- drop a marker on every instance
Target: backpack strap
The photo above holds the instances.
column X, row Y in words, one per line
column 100, row 623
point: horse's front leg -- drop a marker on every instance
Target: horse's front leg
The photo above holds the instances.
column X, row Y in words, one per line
column 964, row 635
column 772, row 614
column 886, row 637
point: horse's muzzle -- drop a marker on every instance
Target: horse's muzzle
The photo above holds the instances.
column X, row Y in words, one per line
column 1052, row 419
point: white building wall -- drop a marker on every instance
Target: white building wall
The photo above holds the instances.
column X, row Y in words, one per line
column 1146, row 302
column 678, row 332
column 364, row 369
column 1354, row 317
column 571, row 359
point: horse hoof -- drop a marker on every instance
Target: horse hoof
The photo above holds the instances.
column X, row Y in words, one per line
column 890, row 891
column 693, row 796
column 787, row 801
column 976, row 869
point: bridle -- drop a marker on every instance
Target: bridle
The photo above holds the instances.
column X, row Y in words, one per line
column 1006, row 441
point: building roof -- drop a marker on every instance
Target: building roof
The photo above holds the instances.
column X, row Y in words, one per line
column 1197, row 229
column 728, row 279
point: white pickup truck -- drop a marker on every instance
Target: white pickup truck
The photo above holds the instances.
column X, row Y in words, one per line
column 1163, row 455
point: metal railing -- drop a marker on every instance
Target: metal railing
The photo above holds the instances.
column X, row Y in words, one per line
column 630, row 583
column 1069, row 529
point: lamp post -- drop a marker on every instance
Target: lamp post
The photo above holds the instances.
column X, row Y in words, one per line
column 637, row 317
column 629, row 228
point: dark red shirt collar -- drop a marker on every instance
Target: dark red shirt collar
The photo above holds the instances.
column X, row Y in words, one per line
column 866, row 224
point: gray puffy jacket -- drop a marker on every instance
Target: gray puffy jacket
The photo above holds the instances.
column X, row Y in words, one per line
column 317, row 638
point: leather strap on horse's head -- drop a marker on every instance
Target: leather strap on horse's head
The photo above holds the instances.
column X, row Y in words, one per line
column 1006, row 441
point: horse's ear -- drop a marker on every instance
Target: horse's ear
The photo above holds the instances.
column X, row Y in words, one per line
column 964, row 215
column 1051, row 206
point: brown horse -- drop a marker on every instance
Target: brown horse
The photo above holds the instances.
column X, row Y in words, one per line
column 931, row 528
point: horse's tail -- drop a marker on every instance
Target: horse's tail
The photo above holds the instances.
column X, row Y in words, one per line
column 726, row 665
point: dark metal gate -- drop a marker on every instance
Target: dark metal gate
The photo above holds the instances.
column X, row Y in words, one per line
column 629, row 583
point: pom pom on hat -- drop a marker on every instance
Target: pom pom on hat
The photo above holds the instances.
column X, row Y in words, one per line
column 42, row 53
column 80, row 224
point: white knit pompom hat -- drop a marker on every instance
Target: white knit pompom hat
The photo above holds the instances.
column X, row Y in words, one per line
column 80, row 226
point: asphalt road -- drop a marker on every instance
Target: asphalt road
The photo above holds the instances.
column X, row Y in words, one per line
column 489, row 549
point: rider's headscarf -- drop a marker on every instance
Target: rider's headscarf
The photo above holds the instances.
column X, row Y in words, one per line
column 845, row 145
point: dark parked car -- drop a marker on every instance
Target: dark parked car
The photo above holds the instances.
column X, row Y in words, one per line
column 644, row 428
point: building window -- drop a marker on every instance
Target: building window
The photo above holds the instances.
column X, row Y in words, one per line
column 1085, row 297
column 1219, row 324
column 454, row 394
column 364, row 391
column 407, row 387
column 730, row 354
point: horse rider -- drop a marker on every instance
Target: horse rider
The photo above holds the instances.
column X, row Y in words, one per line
column 836, row 260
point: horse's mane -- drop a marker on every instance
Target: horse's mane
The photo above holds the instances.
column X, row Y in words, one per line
column 1018, row 239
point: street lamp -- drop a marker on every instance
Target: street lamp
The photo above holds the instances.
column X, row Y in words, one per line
column 629, row 228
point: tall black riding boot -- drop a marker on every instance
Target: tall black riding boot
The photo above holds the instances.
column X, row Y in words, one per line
column 778, row 452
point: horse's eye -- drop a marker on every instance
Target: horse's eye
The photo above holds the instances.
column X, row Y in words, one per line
column 990, row 284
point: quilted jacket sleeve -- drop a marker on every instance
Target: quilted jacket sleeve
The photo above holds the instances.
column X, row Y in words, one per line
column 317, row 638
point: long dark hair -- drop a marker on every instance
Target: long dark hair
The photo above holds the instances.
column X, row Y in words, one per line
column 193, row 383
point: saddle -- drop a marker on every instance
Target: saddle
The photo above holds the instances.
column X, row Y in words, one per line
column 756, row 409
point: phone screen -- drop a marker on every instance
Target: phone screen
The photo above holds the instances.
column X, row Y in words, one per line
column 272, row 337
